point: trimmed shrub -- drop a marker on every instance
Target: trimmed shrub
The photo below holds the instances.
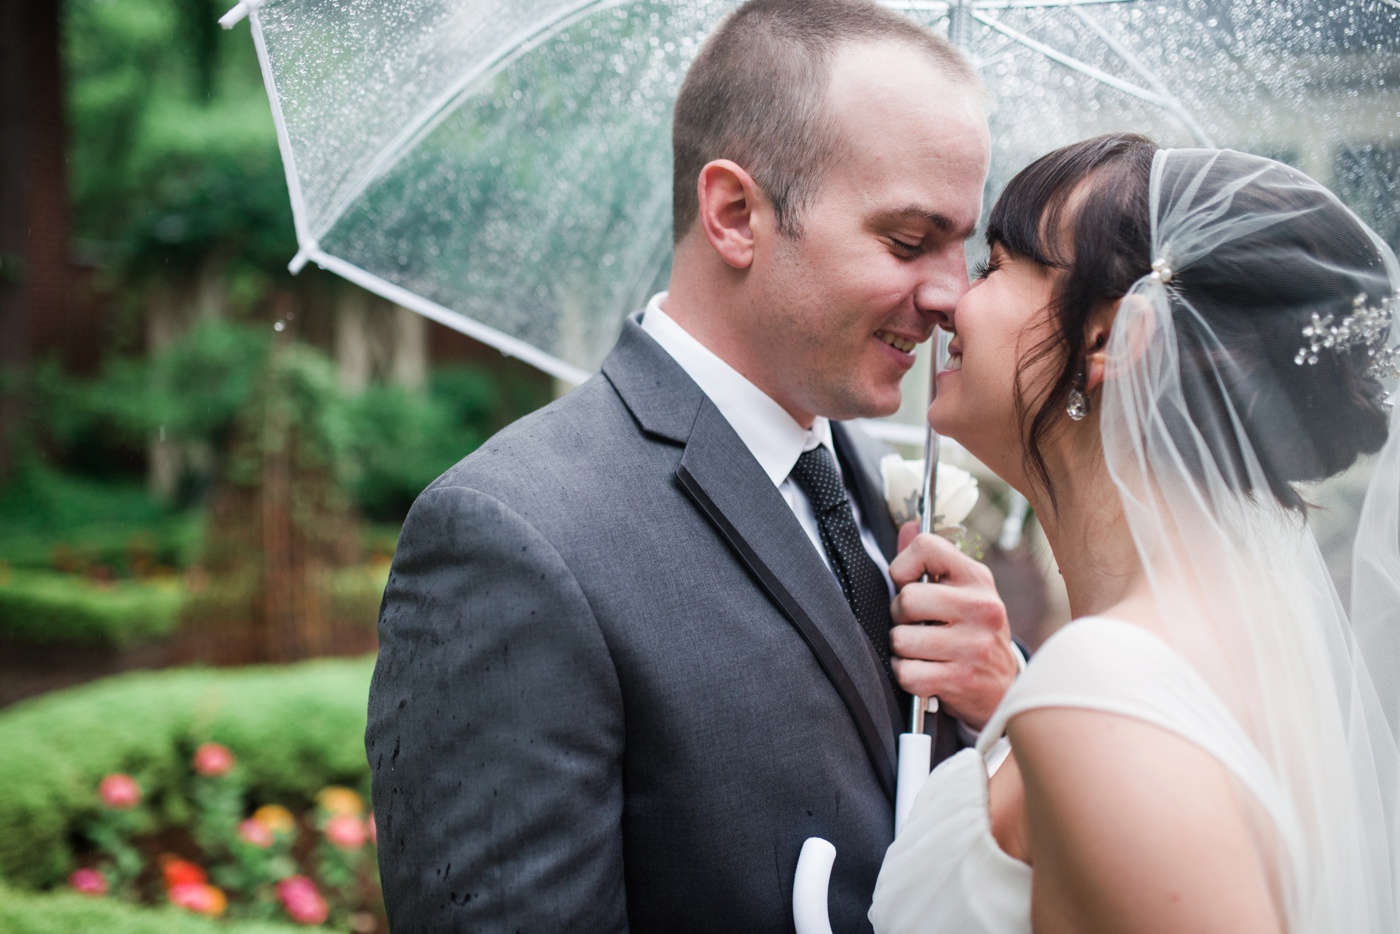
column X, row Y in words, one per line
column 43, row 607
column 294, row 728
column 69, row 913
column 62, row 522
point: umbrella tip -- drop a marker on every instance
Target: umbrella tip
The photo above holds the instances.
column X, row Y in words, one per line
column 303, row 256
column 235, row 16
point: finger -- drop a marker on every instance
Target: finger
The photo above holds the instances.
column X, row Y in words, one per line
column 969, row 686
column 974, row 606
column 937, row 557
column 907, row 531
column 921, row 678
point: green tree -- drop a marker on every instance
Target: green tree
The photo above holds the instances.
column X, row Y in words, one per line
column 174, row 157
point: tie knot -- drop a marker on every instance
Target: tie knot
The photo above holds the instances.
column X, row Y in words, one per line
column 815, row 472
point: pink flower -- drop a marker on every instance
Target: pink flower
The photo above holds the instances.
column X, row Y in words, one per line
column 213, row 759
column 88, row 881
column 372, row 830
column 345, row 832
column 302, row 901
column 199, row 898
column 256, row 833
column 119, row 791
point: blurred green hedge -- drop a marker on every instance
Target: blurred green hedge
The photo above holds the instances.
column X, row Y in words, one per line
column 69, row 913
column 295, row 729
column 44, row 608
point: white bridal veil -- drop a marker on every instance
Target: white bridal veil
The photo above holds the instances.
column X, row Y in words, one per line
column 1246, row 430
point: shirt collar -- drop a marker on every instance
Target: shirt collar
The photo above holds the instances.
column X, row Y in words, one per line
column 772, row 435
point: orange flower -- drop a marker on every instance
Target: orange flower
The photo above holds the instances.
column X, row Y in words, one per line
column 199, row 898
column 178, row 872
column 337, row 800
column 275, row 818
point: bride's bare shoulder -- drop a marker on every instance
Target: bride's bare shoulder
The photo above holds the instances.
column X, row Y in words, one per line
column 1132, row 827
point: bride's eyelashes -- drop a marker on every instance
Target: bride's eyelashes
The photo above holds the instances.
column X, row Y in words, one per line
column 985, row 268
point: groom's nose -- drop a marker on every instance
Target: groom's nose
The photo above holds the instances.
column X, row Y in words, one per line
column 944, row 283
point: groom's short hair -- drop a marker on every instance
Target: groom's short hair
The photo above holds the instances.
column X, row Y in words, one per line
column 756, row 94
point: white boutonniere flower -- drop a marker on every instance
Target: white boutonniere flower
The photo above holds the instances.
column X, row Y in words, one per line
column 904, row 481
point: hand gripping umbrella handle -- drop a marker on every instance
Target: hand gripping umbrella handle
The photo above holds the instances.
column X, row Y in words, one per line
column 916, row 746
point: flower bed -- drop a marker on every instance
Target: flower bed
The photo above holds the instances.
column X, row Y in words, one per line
column 24, row 912
column 294, row 730
column 226, row 856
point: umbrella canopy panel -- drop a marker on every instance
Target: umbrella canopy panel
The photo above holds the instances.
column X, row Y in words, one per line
column 504, row 167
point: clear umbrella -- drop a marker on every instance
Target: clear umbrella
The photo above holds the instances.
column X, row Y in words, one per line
column 504, row 167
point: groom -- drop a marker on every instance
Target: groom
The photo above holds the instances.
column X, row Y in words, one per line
column 635, row 649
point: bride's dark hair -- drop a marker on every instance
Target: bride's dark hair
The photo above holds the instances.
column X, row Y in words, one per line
column 1083, row 211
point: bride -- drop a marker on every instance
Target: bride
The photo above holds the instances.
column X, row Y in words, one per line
column 1180, row 357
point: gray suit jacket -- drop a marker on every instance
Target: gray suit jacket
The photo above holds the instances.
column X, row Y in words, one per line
column 618, row 687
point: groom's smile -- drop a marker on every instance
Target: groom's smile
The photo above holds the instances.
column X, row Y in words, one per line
column 903, row 344
column 879, row 258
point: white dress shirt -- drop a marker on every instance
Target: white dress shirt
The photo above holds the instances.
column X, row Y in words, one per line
column 773, row 436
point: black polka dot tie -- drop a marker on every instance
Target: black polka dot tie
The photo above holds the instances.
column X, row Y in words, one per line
column 861, row 581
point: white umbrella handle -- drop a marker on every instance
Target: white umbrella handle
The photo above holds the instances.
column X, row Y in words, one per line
column 809, row 887
column 915, row 755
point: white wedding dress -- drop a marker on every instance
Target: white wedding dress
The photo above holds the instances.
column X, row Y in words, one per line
column 947, row 875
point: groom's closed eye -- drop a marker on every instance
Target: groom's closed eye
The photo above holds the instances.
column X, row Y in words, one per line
column 906, row 248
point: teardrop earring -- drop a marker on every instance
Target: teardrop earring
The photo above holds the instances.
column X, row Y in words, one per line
column 1077, row 406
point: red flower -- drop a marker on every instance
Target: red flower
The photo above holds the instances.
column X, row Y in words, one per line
column 256, row 833
column 212, row 759
column 119, row 791
column 372, row 830
column 302, row 901
column 88, row 881
column 345, row 832
column 180, row 872
column 199, row 898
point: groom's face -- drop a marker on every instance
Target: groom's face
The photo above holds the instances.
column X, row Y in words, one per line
column 880, row 256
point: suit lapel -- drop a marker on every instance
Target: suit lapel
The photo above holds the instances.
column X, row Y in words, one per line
column 730, row 488
column 748, row 511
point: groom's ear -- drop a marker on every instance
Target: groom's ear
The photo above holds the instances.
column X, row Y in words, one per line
column 729, row 199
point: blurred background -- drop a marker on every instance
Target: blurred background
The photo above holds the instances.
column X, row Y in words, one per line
column 205, row 461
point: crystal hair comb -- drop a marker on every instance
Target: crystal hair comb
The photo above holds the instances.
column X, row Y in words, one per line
column 1366, row 326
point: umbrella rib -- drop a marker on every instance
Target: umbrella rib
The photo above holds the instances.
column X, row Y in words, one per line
column 1072, row 63
column 506, row 343
column 443, row 106
column 941, row 6
column 1172, row 104
column 1039, row 4
column 279, row 123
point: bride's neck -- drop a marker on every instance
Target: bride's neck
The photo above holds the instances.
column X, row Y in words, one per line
column 1090, row 539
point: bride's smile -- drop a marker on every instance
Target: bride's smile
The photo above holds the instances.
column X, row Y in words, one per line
column 1001, row 315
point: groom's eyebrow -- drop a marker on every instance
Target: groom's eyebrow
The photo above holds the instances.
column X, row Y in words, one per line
column 940, row 222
